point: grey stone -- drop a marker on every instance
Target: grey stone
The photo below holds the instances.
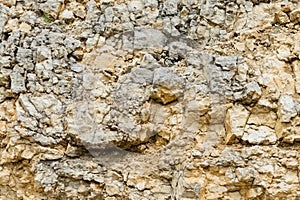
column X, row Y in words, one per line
column 3, row 17
column 48, row 104
column 24, row 55
column 167, row 85
column 148, row 38
column 210, row 11
column 78, row 9
column 251, row 93
column 29, row 17
column 77, row 67
column 253, row 90
column 170, row 7
column 43, row 69
column 227, row 62
column 29, row 107
column 178, row 49
column 71, row 44
column 246, row 174
column 131, row 96
column 55, row 39
column 17, row 82
column 141, row 76
column 151, row 3
column 92, row 12
column 43, row 53
column 136, row 6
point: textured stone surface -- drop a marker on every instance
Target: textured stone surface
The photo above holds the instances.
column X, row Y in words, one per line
column 148, row 99
column 236, row 121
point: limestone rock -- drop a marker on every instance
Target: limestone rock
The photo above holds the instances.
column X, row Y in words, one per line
column 5, row 61
column 236, row 119
column 167, row 86
column 148, row 99
column 3, row 17
column 51, row 8
column 78, row 9
column 227, row 62
column 25, row 27
column 295, row 16
column 251, row 93
column 28, row 107
column 246, row 174
column 136, row 6
column 17, row 81
column 67, row 15
column 296, row 70
column 259, row 135
column 282, row 17
column 266, row 119
column 287, row 108
column 170, row 7
column 71, row 44
column 284, row 53
column 5, row 78
column 43, row 53
column 148, row 38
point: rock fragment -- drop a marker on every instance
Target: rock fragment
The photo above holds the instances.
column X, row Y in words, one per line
column 167, row 86
column 51, row 8
column 235, row 122
column 295, row 15
column 259, row 135
column 287, row 108
column 282, row 18
column 17, row 81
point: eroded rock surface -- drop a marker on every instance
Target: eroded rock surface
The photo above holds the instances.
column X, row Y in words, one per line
column 147, row 99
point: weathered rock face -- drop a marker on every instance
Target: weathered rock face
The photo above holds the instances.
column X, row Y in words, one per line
column 147, row 99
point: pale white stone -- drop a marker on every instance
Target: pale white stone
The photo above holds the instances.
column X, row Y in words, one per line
column 259, row 135
column 287, row 108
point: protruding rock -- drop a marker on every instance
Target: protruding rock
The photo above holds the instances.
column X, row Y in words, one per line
column 167, row 86
column 259, row 135
column 250, row 95
column 282, row 18
column 295, row 16
column 67, row 15
column 227, row 62
column 25, row 27
column 253, row 91
column 17, row 81
column 51, row 7
column 235, row 122
column 43, row 53
column 170, row 7
column 71, row 44
column 287, row 108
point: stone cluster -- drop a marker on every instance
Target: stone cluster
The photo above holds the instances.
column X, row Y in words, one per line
column 149, row 99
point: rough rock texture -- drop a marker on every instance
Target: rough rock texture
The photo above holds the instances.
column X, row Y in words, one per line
column 149, row 99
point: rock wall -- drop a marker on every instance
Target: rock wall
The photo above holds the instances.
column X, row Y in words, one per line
column 149, row 99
